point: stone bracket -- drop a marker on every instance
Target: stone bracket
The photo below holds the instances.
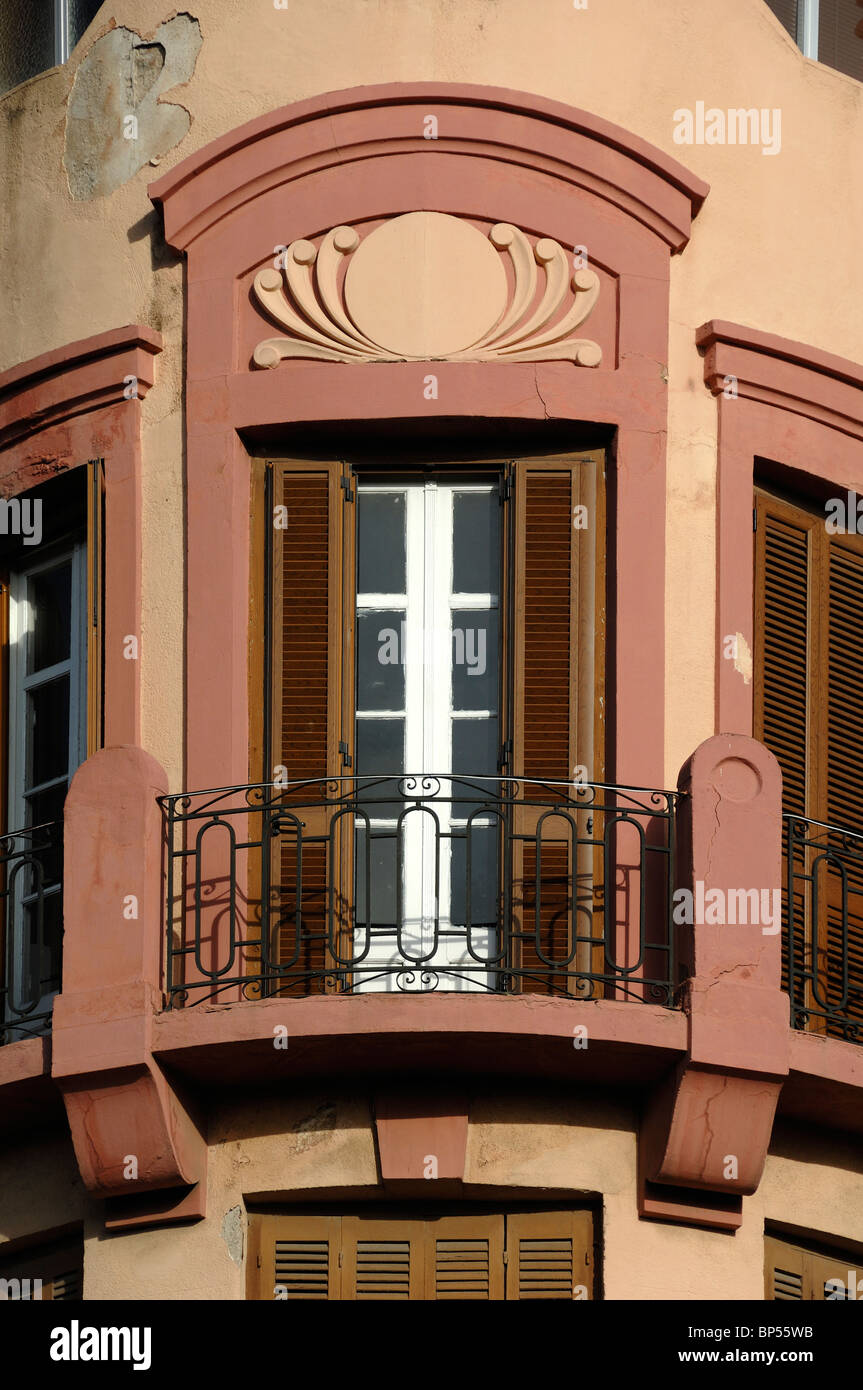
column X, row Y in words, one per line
column 421, row 1139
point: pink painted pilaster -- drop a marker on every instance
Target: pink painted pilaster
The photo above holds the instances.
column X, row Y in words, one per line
column 708, row 1126
column 118, row 1101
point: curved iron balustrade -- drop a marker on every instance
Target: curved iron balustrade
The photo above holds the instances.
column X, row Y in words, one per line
column 30, row 907
column 331, row 885
column 823, row 927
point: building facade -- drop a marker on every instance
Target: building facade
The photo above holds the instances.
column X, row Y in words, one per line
column 430, row 438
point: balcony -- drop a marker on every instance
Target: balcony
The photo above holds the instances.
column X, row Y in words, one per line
column 822, row 922
column 30, row 913
column 416, row 884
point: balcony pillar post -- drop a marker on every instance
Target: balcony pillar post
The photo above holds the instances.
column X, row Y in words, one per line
column 706, row 1129
column 134, row 1135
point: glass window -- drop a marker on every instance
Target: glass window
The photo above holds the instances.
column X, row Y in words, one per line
column 26, row 40
column 37, row 34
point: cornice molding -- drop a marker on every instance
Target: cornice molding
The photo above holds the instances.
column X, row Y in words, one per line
column 82, row 376
column 364, row 122
column 786, row 374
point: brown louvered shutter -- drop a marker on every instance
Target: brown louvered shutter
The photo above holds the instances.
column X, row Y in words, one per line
column 403, row 1255
column 383, row 1258
column 841, row 946
column 464, row 1257
column 293, row 1257
column 809, row 712
column 787, row 563
column 312, row 625
column 549, row 1255
column 59, row 1265
column 556, row 644
column 798, row 1273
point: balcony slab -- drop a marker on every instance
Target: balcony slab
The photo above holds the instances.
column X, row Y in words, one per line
column 454, row 1035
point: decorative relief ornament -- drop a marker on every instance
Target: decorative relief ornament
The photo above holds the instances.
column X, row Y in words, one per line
column 427, row 286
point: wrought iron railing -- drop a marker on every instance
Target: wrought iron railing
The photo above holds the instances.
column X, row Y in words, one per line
column 823, row 927
column 31, row 873
column 419, row 883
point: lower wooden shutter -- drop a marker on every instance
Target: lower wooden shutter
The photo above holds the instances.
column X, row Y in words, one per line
column 795, row 1273
column 54, row 1272
column 464, row 1258
column 403, row 1256
column 549, row 1255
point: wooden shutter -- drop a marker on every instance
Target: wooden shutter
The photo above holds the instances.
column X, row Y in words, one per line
column 787, row 619
column 841, row 973
column 383, row 1258
column 556, row 590
column 787, row 567
column 59, row 1265
column 464, row 1258
column 402, row 1256
column 809, row 712
column 549, row 1255
column 795, row 1273
column 293, row 1257
column 309, row 699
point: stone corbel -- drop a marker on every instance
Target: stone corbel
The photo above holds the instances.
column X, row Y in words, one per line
column 136, row 1139
column 421, row 1140
column 707, row 1127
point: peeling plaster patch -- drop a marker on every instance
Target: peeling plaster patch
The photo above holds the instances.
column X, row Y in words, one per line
column 117, row 121
column 232, row 1233
column 743, row 658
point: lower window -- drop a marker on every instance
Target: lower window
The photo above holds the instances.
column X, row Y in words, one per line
column 52, row 1272
column 408, row 1253
column 809, row 1272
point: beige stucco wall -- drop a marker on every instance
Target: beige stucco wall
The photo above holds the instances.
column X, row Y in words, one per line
column 268, row 1147
column 774, row 246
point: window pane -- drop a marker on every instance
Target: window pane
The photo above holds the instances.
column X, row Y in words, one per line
column 474, row 659
column 26, row 40
column 786, row 12
column 382, row 850
column 476, row 543
column 81, row 12
column 41, row 955
column 380, row 660
column 48, row 752
column 46, row 808
column 380, row 748
column 483, row 879
column 50, row 597
column 475, row 750
column 381, row 543
column 839, row 45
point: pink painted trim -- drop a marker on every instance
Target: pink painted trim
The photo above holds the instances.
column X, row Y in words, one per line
column 82, row 376
column 721, row 331
column 339, row 127
column 786, row 374
column 796, row 406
